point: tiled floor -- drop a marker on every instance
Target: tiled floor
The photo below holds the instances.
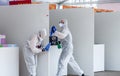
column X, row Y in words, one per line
column 108, row 73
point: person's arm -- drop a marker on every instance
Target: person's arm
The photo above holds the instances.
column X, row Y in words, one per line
column 61, row 35
column 36, row 48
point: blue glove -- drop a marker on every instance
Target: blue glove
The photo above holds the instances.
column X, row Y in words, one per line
column 47, row 47
column 53, row 29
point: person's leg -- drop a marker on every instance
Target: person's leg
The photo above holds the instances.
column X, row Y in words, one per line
column 63, row 62
column 36, row 59
column 30, row 61
column 75, row 66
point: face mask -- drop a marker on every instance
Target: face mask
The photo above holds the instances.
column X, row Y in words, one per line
column 43, row 34
column 61, row 24
column 41, row 39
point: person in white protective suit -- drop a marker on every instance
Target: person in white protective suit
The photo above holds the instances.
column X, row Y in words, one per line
column 32, row 48
column 67, row 50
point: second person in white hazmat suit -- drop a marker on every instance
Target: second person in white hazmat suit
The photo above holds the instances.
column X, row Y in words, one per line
column 67, row 50
column 32, row 48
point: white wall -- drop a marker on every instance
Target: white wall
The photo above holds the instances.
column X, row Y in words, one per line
column 109, row 0
column 19, row 22
column 110, row 6
column 107, row 31
column 81, row 24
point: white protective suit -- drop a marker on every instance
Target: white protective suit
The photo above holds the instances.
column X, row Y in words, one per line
column 31, row 50
column 67, row 50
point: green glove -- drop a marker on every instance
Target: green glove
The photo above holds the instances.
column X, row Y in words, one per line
column 59, row 45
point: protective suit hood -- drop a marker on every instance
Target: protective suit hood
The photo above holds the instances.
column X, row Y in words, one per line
column 42, row 33
column 65, row 23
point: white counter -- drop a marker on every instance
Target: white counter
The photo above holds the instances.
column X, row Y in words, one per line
column 9, row 61
column 48, row 62
column 54, row 55
column 99, row 57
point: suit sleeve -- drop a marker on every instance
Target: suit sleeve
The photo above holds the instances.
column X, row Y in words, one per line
column 34, row 45
column 61, row 35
